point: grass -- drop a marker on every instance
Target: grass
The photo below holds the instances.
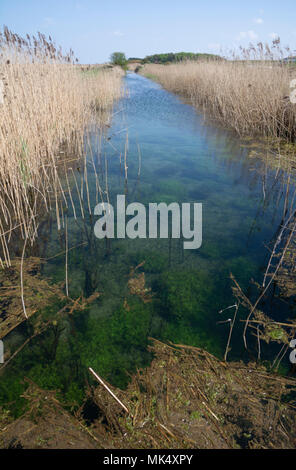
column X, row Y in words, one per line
column 249, row 94
column 47, row 108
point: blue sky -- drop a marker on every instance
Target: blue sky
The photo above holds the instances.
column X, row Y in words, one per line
column 95, row 28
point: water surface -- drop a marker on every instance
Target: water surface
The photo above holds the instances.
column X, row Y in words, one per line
column 181, row 159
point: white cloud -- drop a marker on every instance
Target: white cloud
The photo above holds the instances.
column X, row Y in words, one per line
column 247, row 35
column 117, row 33
column 258, row 20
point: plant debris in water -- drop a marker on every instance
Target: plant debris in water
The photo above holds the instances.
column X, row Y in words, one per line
column 187, row 398
column 38, row 293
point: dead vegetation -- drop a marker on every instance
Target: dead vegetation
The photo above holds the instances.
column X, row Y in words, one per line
column 137, row 285
column 187, row 398
column 37, row 291
column 38, row 294
column 45, row 425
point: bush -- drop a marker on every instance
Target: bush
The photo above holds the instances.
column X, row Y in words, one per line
column 118, row 58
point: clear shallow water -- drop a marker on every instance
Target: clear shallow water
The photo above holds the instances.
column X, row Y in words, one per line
column 182, row 160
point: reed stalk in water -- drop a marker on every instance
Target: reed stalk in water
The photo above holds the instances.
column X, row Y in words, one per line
column 48, row 105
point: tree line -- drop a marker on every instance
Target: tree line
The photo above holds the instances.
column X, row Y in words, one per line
column 177, row 57
column 119, row 58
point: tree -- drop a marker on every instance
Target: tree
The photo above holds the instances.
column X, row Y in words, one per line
column 118, row 58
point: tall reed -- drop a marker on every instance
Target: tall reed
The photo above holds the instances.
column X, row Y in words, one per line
column 248, row 92
column 48, row 104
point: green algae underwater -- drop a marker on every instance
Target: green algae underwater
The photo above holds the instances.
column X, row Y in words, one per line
column 149, row 288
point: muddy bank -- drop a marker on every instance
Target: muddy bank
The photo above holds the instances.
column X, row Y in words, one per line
column 187, row 398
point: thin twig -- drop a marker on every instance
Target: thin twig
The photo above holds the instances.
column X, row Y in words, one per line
column 108, row 390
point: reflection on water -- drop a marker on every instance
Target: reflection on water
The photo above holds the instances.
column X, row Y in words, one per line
column 172, row 156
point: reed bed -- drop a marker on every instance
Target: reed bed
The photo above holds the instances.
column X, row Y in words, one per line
column 248, row 93
column 48, row 106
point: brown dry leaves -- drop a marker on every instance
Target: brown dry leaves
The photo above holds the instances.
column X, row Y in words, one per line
column 136, row 285
column 38, row 293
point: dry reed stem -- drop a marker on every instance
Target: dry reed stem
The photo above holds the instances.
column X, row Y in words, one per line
column 250, row 97
column 48, row 107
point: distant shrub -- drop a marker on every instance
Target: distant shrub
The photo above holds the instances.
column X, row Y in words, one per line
column 118, row 58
